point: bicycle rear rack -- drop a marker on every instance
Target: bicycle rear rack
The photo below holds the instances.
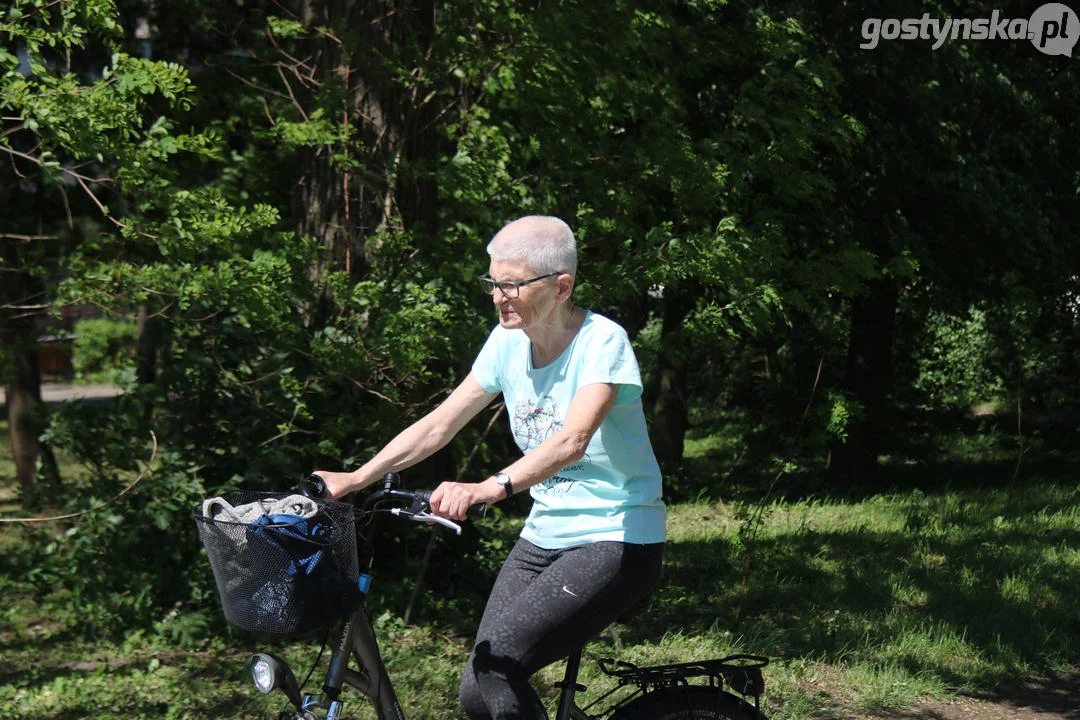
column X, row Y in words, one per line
column 740, row 673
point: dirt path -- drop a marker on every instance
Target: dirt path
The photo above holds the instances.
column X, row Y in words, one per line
column 59, row 392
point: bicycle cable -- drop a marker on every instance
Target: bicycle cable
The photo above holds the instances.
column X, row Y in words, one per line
column 318, row 659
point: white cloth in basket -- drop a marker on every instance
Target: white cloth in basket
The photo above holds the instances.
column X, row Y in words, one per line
column 221, row 510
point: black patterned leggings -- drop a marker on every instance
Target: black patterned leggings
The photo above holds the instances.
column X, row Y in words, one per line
column 544, row 605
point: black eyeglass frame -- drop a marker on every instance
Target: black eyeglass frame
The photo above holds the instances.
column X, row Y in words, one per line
column 508, row 288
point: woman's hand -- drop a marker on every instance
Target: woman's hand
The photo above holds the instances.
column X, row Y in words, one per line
column 452, row 500
column 338, row 484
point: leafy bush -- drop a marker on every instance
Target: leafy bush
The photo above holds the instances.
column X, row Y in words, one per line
column 954, row 361
column 124, row 558
column 1036, row 349
column 248, row 392
column 104, row 349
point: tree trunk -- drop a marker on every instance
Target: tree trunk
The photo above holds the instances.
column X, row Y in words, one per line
column 26, row 423
column 670, row 409
column 868, row 380
column 22, row 381
column 146, row 346
column 380, row 74
column 146, row 353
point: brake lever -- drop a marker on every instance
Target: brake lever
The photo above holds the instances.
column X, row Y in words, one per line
column 423, row 516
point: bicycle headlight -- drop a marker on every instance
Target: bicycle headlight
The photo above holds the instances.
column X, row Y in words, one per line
column 266, row 672
column 270, row 672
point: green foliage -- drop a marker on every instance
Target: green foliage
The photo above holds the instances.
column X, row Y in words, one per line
column 125, row 559
column 314, row 131
column 842, row 411
column 224, row 287
column 112, row 120
column 103, row 349
column 1034, row 348
column 38, row 24
column 954, row 363
column 675, row 205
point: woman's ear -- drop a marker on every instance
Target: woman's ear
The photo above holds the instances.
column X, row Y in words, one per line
column 566, row 285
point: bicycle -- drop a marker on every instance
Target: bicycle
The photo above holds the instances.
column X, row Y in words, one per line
column 270, row 591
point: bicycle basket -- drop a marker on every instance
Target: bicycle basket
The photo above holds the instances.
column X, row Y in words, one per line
column 283, row 573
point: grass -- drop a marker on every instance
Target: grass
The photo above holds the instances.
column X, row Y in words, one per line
column 955, row 579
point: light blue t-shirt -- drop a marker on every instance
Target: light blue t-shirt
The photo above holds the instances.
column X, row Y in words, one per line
column 613, row 493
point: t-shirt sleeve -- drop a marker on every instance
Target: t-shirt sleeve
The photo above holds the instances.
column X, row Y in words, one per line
column 487, row 363
column 611, row 359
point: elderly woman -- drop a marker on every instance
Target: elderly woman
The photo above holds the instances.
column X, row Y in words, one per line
column 593, row 542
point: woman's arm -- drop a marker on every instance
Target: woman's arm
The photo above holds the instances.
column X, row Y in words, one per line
column 417, row 442
column 587, row 410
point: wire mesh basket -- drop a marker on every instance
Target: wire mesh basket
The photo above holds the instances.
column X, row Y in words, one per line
column 283, row 574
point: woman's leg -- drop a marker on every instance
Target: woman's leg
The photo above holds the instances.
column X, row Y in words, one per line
column 546, row 603
column 524, row 563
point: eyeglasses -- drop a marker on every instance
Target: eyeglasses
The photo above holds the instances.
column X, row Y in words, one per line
column 507, row 288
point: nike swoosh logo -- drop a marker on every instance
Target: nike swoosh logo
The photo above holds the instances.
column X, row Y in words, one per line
column 568, row 591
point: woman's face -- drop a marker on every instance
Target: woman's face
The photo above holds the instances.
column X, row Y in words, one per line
column 535, row 304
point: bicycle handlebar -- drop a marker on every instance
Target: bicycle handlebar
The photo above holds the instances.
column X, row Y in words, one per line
column 313, row 486
column 417, row 503
column 475, row 512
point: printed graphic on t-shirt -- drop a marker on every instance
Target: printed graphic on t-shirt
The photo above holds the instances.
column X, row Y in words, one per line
column 534, row 422
column 560, row 484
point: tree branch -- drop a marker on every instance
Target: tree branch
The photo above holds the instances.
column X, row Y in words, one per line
column 84, row 182
column 27, row 238
column 122, row 493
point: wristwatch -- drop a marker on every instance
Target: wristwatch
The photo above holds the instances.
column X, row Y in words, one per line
column 504, row 480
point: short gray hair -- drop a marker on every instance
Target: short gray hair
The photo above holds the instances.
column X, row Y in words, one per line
column 545, row 242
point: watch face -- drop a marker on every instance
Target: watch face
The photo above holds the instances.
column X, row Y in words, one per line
column 504, row 480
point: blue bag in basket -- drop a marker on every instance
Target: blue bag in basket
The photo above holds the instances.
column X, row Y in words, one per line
column 308, row 589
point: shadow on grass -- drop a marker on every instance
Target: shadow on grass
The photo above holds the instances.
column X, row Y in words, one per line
column 971, row 589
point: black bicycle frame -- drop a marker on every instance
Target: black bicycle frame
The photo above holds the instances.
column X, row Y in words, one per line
column 358, row 640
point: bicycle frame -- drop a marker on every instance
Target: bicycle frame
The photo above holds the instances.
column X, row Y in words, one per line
column 357, row 641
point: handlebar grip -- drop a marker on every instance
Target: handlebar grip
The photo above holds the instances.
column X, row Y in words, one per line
column 313, row 487
column 474, row 512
